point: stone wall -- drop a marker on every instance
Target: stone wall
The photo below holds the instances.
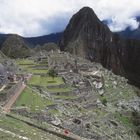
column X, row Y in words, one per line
column 6, row 95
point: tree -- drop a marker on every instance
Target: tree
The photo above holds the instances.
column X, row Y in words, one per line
column 52, row 73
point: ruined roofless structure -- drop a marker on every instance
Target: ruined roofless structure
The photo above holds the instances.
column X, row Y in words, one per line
column 3, row 74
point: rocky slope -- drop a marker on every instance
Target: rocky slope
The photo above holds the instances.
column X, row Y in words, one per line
column 2, row 56
column 103, row 103
column 90, row 102
column 15, row 47
column 84, row 98
column 88, row 37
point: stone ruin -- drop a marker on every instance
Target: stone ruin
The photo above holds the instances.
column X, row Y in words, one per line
column 8, row 92
column 3, row 75
column 62, row 62
column 77, row 72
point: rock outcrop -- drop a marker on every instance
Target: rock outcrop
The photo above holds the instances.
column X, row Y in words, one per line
column 2, row 56
column 88, row 37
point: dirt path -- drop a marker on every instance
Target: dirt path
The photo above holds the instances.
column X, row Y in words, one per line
column 12, row 100
column 2, row 88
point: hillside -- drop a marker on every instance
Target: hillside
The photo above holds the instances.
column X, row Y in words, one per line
column 2, row 56
column 15, row 47
column 71, row 98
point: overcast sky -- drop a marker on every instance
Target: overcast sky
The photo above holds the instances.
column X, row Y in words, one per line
column 39, row 17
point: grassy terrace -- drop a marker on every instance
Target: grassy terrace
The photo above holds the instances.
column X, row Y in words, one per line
column 33, row 100
column 36, row 71
column 67, row 89
column 21, row 129
column 29, row 66
column 45, row 81
column 25, row 62
column 65, row 97
column 38, row 80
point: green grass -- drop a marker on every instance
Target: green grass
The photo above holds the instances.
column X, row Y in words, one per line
column 55, row 90
column 22, row 129
column 65, row 97
column 125, row 120
column 37, row 71
column 28, row 65
column 25, row 62
column 38, row 80
column 53, row 111
column 33, row 70
column 103, row 100
column 33, row 100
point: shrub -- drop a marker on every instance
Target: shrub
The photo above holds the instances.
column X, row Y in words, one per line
column 52, row 73
column 104, row 101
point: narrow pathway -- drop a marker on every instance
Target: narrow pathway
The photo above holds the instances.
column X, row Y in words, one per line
column 2, row 88
column 12, row 100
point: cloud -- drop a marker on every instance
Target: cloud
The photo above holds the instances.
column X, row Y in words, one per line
column 121, row 12
column 38, row 17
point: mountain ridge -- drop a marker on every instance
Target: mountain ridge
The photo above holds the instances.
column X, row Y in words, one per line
column 33, row 41
column 41, row 40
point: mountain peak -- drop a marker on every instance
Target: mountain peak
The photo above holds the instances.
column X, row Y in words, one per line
column 86, row 13
column 86, row 10
column 85, row 26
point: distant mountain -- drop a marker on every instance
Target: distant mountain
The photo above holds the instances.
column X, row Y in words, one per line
column 88, row 37
column 17, row 46
column 41, row 40
column 34, row 41
column 14, row 46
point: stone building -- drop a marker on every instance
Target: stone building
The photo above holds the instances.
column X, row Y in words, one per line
column 11, row 77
